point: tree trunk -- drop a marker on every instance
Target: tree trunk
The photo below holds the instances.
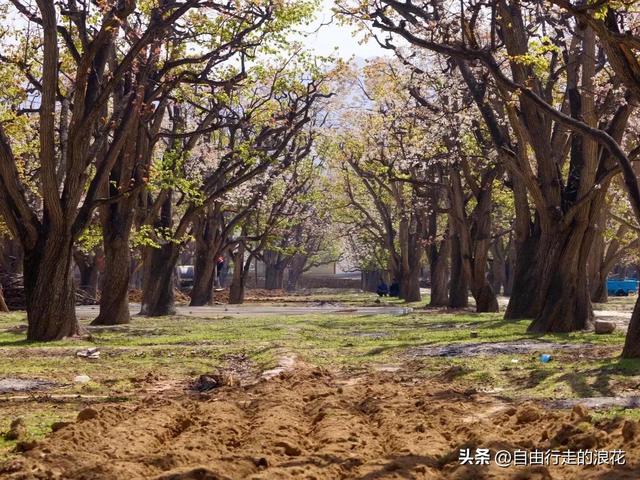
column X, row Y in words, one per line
column 598, row 290
column 509, row 268
column 11, row 255
column 49, row 289
column 524, row 301
column 114, row 296
column 370, row 279
column 458, row 289
column 597, row 285
column 564, row 298
column 632, row 339
column 274, row 266
column 498, row 266
column 88, row 267
column 236, row 290
column 273, row 277
column 204, row 275
column 207, row 246
column 296, row 269
column 157, row 291
column 473, row 237
column 438, row 258
column 410, row 285
column 3, row 305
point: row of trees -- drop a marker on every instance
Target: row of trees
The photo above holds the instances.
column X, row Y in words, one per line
column 151, row 125
column 496, row 147
column 527, row 106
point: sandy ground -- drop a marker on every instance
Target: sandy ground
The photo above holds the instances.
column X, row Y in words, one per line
column 308, row 423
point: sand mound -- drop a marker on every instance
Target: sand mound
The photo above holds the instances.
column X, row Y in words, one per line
column 311, row 424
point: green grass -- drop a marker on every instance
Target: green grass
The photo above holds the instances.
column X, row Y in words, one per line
column 38, row 424
column 180, row 348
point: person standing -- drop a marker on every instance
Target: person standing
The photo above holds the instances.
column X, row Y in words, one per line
column 219, row 267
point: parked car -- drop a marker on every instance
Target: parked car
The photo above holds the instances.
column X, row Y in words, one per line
column 185, row 277
column 622, row 288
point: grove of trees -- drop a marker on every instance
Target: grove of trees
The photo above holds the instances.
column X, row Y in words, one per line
column 493, row 151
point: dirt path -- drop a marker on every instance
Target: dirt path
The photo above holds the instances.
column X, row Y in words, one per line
column 91, row 311
column 311, row 424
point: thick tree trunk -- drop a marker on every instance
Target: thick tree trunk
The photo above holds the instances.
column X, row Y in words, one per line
column 204, row 275
column 473, row 232
column 410, row 285
column 458, row 289
column 485, row 298
column 157, row 291
column 524, row 301
column 274, row 266
column 564, row 297
column 236, row 291
column 114, row 296
column 438, row 258
column 49, row 289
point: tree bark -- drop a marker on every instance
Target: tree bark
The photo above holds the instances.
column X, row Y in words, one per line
column 204, row 275
column 3, row 305
column 204, row 264
column 296, row 269
column 274, row 267
column 438, row 258
column 11, row 256
column 597, row 284
column 632, row 340
column 237, row 288
column 523, row 300
column 510, row 266
column 49, row 289
column 410, row 285
column 273, row 278
column 114, row 296
column 474, row 236
column 564, row 298
column 458, row 289
column 157, row 291
column 498, row 271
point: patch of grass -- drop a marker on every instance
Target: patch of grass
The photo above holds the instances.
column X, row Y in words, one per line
column 617, row 303
column 38, row 422
column 177, row 348
column 617, row 412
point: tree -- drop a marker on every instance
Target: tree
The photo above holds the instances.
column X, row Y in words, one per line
column 281, row 202
column 256, row 130
column 72, row 58
column 563, row 172
column 194, row 66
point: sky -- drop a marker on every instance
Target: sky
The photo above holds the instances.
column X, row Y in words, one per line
column 332, row 36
